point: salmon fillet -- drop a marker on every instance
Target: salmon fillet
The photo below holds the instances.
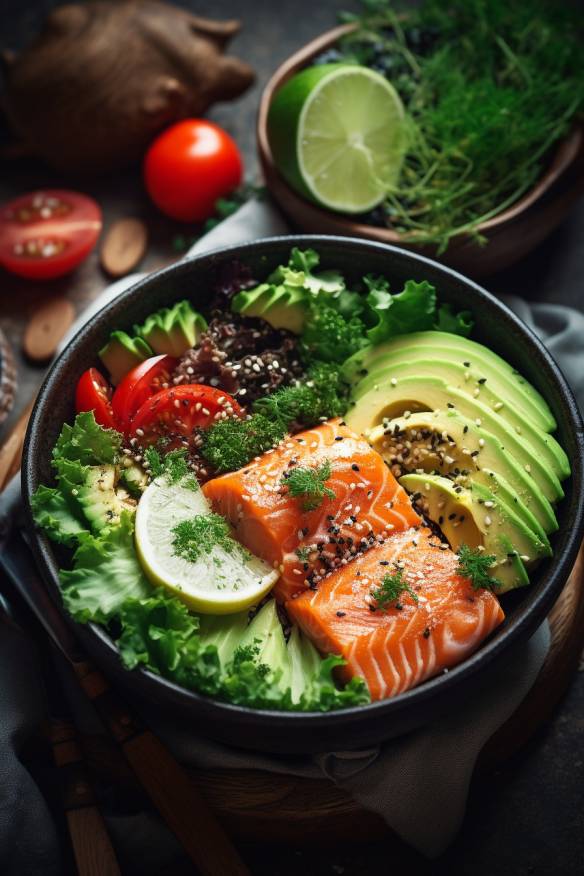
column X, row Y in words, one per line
column 397, row 648
column 368, row 504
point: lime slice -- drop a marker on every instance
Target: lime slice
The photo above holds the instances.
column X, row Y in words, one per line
column 224, row 578
column 336, row 132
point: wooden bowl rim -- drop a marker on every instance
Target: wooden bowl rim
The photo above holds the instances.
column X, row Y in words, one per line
column 566, row 152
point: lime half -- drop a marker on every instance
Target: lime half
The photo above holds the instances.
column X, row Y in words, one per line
column 220, row 578
column 336, row 132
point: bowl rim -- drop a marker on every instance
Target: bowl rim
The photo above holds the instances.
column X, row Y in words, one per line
column 566, row 152
column 474, row 665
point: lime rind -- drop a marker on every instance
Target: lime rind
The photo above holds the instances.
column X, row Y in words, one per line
column 337, row 133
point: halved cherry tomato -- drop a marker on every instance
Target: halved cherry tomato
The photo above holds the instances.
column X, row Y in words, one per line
column 94, row 393
column 140, row 384
column 46, row 234
column 174, row 415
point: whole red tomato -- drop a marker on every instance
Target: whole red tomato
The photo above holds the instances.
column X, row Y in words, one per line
column 189, row 166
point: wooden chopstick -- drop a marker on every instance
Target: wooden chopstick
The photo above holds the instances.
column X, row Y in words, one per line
column 92, row 848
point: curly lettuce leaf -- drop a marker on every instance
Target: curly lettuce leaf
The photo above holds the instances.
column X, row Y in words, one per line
column 303, row 262
column 456, row 323
column 87, row 442
column 411, row 310
column 55, row 515
column 105, row 573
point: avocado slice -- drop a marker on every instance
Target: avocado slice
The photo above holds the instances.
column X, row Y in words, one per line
column 266, row 634
column 478, row 518
column 224, row 631
column 501, row 488
column 101, row 501
column 452, row 348
column 449, row 444
column 500, row 396
column 122, row 353
column 173, row 330
column 281, row 306
column 390, row 399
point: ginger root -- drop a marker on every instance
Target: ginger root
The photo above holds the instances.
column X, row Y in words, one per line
column 104, row 77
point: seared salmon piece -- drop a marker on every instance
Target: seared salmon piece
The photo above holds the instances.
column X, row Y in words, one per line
column 368, row 505
column 396, row 647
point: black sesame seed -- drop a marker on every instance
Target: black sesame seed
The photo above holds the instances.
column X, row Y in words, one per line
column 426, row 633
column 341, row 613
column 482, row 380
column 451, row 516
column 355, row 467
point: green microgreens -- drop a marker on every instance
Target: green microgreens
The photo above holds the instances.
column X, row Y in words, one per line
column 390, row 590
column 476, row 565
column 309, row 484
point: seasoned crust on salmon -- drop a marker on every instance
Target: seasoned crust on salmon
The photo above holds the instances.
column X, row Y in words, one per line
column 368, row 505
column 407, row 642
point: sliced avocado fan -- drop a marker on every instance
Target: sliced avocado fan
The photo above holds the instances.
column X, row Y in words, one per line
column 406, row 388
column 447, row 347
column 454, row 446
column 480, row 519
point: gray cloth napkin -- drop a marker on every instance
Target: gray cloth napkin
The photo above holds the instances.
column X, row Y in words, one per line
column 418, row 783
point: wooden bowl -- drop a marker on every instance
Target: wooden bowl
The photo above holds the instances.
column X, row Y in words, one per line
column 510, row 235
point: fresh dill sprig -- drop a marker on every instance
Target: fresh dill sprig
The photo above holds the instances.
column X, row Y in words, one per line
column 196, row 537
column 476, row 566
column 303, row 554
column 321, row 396
column 390, row 590
column 173, row 466
column 309, row 484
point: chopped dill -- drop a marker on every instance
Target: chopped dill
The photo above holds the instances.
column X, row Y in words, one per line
column 230, row 444
column 390, row 590
column 303, row 553
column 309, row 484
column 196, row 537
column 476, row 565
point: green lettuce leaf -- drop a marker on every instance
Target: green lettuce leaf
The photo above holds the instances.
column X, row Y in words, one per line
column 53, row 513
column 322, row 694
column 87, row 442
column 105, row 573
column 411, row 310
column 456, row 323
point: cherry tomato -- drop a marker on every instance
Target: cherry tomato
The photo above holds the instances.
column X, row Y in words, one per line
column 174, row 415
column 140, row 384
column 189, row 166
column 47, row 233
column 94, row 393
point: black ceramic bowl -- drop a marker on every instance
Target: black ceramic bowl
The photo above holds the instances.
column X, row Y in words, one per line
column 284, row 732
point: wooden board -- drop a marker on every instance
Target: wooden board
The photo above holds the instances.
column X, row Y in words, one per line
column 254, row 804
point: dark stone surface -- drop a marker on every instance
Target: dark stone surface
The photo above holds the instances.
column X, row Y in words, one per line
column 526, row 818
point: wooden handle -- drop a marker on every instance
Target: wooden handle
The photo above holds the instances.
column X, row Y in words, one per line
column 93, row 851
column 181, row 806
column 11, row 449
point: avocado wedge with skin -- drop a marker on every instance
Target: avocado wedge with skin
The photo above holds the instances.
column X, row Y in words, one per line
column 479, row 519
column 449, row 347
column 452, row 445
column 387, row 401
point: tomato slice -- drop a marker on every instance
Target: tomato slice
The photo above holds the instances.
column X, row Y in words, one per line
column 174, row 415
column 47, row 233
column 94, row 393
column 140, row 384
